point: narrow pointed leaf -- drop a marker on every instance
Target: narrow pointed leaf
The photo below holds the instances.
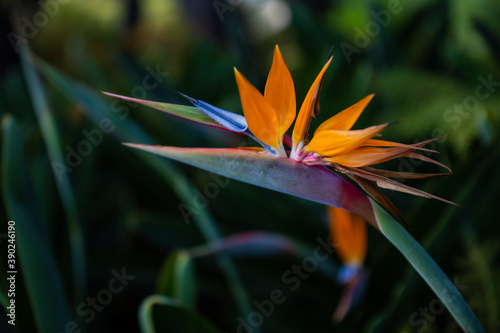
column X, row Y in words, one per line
column 177, row 278
column 96, row 108
column 437, row 280
column 183, row 111
column 315, row 183
column 41, row 276
column 251, row 243
column 52, row 139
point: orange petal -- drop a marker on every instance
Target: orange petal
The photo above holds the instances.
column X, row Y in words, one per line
column 307, row 108
column 261, row 118
column 280, row 93
column 333, row 142
column 383, row 143
column 348, row 233
column 343, row 121
column 366, row 156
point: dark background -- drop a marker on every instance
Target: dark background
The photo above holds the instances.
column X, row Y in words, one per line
column 87, row 208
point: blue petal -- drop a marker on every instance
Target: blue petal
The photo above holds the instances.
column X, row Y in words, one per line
column 232, row 121
column 347, row 272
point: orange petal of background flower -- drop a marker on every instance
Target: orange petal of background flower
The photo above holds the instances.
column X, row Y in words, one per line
column 260, row 115
column 344, row 120
column 307, row 108
column 333, row 142
column 348, row 233
column 280, row 93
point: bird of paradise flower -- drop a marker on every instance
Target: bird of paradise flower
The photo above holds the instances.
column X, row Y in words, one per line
column 268, row 117
column 335, row 144
column 302, row 170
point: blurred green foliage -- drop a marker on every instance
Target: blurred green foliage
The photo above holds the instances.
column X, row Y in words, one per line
column 104, row 209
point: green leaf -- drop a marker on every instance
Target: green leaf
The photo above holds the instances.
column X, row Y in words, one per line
column 177, row 278
column 182, row 111
column 35, row 257
column 440, row 284
column 314, row 183
column 55, row 150
column 96, row 108
column 158, row 313
column 251, row 243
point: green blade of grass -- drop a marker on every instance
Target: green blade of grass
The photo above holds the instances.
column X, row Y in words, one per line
column 252, row 244
column 35, row 257
column 171, row 317
column 126, row 129
column 177, row 278
column 49, row 131
column 432, row 274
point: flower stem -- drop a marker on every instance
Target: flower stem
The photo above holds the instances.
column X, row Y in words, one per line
column 428, row 270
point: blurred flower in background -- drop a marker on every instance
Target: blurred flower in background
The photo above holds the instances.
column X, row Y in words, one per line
column 349, row 239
